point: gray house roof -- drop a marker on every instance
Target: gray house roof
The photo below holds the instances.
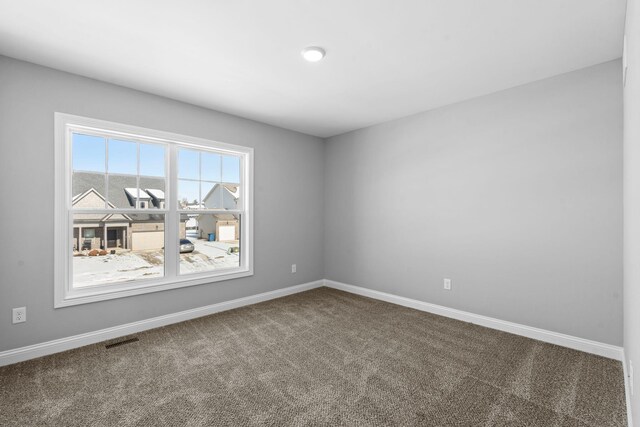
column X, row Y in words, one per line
column 117, row 196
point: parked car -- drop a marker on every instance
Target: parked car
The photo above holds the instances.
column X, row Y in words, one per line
column 186, row 246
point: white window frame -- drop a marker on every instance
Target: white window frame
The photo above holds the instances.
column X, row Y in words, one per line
column 64, row 293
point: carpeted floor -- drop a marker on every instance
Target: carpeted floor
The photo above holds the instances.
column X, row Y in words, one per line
column 322, row 357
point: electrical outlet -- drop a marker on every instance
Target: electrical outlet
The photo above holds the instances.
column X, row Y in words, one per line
column 631, row 377
column 293, row 268
column 447, row 284
column 19, row 314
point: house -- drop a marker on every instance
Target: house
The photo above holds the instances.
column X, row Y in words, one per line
column 221, row 227
column 97, row 231
column 117, row 231
column 224, row 227
column 427, row 213
column 138, row 198
column 157, row 197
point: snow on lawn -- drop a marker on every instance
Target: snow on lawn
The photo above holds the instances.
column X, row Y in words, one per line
column 133, row 265
column 122, row 267
column 208, row 256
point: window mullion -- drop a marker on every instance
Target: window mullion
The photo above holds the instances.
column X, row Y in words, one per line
column 106, row 173
column 138, row 178
column 171, row 203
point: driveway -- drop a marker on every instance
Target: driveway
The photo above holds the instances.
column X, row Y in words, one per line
column 134, row 265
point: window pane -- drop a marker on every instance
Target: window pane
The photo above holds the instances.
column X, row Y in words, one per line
column 211, row 167
column 152, row 160
column 123, row 192
column 115, row 248
column 188, row 164
column 123, row 157
column 88, row 153
column 155, row 188
column 209, row 242
column 211, row 195
column 88, row 190
column 231, row 197
column 231, row 169
column 188, row 194
column 220, row 196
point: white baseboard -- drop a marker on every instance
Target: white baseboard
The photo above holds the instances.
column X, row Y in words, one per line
column 37, row 350
column 588, row 346
column 627, row 389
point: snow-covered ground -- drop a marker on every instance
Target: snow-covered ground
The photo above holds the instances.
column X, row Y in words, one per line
column 122, row 267
column 134, row 265
column 208, row 256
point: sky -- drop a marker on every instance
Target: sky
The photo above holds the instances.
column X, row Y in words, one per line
column 89, row 153
column 197, row 170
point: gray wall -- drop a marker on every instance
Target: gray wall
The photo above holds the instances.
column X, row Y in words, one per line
column 632, row 201
column 515, row 196
column 289, row 185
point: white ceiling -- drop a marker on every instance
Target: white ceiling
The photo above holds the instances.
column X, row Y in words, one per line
column 385, row 58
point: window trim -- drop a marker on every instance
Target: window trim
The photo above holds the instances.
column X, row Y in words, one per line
column 64, row 294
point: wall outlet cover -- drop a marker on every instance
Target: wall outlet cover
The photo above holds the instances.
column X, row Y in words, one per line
column 19, row 314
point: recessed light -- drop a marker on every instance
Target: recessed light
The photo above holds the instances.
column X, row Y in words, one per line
column 313, row 53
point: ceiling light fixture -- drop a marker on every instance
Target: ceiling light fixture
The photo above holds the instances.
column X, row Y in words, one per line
column 313, row 53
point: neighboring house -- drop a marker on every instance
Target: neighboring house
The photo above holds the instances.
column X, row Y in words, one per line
column 225, row 226
column 222, row 196
column 133, row 231
column 143, row 200
column 157, row 197
column 91, row 230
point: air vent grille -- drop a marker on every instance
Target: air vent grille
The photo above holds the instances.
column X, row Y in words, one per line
column 123, row 342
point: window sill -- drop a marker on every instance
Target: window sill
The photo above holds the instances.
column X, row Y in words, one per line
column 103, row 293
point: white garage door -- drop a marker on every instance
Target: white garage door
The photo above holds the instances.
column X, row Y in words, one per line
column 227, row 233
column 147, row 240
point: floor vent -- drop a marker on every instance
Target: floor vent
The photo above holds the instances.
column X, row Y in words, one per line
column 123, row 342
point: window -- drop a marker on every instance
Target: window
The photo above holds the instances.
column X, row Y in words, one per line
column 139, row 210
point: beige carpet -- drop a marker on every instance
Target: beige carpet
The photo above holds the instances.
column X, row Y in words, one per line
column 322, row 357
